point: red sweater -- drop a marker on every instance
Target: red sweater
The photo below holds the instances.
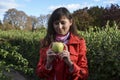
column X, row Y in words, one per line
column 60, row 70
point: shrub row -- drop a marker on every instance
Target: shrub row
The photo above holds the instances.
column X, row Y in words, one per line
column 20, row 50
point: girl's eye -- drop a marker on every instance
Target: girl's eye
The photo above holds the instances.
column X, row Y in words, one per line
column 63, row 22
column 56, row 23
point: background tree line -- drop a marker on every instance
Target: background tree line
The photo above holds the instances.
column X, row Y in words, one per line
column 97, row 16
column 14, row 19
column 84, row 18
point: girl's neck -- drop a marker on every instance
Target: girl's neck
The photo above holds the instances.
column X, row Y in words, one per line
column 62, row 38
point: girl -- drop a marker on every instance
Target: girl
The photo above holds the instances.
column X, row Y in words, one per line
column 71, row 63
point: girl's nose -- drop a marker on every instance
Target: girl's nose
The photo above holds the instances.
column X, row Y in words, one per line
column 60, row 25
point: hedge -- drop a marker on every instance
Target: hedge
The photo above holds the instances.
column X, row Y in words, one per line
column 20, row 50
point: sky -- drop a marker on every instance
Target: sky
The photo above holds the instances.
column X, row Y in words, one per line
column 43, row 7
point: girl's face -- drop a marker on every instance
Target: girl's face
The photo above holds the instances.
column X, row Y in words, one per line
column 62, row 26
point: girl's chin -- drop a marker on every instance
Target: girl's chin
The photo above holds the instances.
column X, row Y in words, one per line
column 62, row 33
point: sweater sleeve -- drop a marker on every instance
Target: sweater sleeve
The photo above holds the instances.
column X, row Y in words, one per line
column 41, row 70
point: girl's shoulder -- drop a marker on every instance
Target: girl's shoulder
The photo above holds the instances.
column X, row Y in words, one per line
column 76, row 38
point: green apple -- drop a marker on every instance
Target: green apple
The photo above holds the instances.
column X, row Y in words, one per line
column 57, row 47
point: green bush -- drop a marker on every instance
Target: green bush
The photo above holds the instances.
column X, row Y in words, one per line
column 21, row 49
column 103, row 52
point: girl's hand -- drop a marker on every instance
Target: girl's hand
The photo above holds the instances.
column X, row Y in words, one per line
column 65, row 55
column 50, row 57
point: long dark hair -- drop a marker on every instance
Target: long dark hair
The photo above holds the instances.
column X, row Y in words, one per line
column 56, row 15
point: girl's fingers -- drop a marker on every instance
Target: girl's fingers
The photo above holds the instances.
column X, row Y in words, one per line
column 66, row 48
column 64, row 54
column 50, row 52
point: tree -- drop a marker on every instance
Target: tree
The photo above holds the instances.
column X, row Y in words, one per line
column 96, row 14
column 43, row 19
column 112, row 14
column 82, row 19
column 34, row 22
column 15, row 18
column 0, row 24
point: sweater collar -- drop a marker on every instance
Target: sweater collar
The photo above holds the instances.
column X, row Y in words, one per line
column 74, row 39
column 63, row 38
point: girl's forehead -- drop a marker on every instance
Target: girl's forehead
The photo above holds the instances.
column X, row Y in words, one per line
column 62, row 17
